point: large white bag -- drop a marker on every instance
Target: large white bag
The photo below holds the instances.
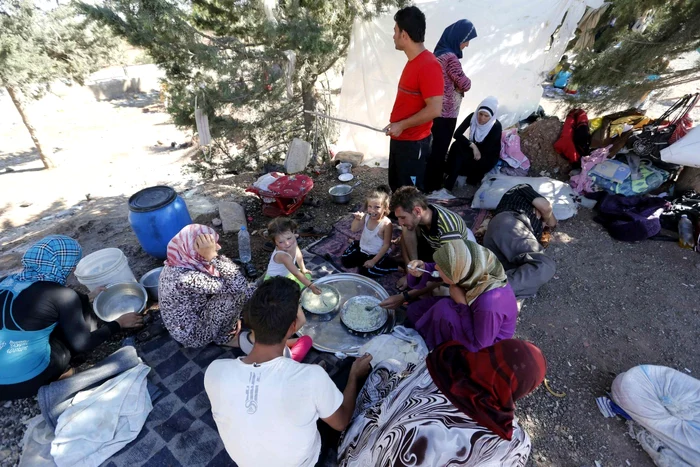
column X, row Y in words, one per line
column 560, row 194
column 666, row 403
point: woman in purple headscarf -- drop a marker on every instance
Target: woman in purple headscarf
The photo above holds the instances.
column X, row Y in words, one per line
column 448, row 52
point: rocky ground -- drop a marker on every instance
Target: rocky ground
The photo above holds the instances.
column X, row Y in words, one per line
column 611, row 306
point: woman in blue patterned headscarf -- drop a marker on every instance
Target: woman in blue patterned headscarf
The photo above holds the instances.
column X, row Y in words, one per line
column 454, row 38
column 448, row 52
column 44, row 322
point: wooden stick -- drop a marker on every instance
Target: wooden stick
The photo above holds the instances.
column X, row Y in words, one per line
column 317, row 114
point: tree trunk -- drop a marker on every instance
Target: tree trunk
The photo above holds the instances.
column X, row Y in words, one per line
column 308, row 96
column 17, row 100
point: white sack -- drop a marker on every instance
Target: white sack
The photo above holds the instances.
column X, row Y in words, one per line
column 508, row 59
column 559, row 194
column 665, row 402
column 685, row 151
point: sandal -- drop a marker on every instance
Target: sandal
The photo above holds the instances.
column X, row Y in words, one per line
column 303, row 217
column 312, row 231
column 250, row 271
column 269, row 247
column 155, row 329
column 311, row 201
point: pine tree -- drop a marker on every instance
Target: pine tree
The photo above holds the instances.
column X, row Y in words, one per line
column 626, row 64
column 232, row 56
column 39, row 46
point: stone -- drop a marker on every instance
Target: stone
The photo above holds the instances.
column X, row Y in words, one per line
column 354, row 157
column 689, row 179
column 202, row 210
column 216, row 222
column 298, row 156
column 232, row 216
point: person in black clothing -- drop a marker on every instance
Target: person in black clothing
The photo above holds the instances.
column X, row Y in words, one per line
column 43, row 322
column 473, row 155
column 513, row 235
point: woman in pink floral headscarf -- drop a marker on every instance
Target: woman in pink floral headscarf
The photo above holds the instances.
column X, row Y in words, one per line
column 201, row 293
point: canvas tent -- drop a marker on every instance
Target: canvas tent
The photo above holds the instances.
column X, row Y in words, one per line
column 518, row 43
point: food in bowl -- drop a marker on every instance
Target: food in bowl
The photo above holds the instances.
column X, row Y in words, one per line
column 357, row 317
column 326, row 302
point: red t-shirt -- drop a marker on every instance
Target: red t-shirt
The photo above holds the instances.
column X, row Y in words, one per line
column 421, row 78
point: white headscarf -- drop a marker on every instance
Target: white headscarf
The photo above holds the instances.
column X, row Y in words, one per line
column 479, row 132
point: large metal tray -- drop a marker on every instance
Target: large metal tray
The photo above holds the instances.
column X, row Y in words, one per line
column 328, row 332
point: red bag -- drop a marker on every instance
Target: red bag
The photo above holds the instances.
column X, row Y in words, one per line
column 575, row 140
column 682, row 129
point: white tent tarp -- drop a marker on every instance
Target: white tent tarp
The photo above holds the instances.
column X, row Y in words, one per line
column 508, row 59
column 685, row 151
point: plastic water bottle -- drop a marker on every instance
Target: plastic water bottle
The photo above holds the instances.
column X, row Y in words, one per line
column 685, row 233
column 244, row 245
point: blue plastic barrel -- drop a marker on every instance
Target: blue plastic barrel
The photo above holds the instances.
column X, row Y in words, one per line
column 156, row 215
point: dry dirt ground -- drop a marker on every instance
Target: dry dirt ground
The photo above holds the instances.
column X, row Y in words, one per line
column 611, row 306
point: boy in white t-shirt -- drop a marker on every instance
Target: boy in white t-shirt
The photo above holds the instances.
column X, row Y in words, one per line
column 265, row 405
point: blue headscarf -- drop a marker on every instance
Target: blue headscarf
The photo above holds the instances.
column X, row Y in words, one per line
column 50, row 259
column 454, row 35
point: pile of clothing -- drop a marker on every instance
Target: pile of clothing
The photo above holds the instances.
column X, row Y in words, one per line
column 600, row 146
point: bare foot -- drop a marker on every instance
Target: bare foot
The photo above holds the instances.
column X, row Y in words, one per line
column 67, row 374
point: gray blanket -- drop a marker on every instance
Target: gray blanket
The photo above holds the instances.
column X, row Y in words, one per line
column 510, row 237
column 55, row 397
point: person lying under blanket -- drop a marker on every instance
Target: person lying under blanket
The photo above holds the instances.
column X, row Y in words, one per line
column 513, row 235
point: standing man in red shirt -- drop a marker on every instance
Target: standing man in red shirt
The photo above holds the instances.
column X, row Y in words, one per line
column 418, row 102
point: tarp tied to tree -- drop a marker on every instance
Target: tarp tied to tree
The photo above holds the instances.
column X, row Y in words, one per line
column 631, row 56
column 235, row 58
column 40, row 46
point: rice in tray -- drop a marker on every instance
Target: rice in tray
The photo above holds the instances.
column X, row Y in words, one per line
column 357, row 317
column 323, row 303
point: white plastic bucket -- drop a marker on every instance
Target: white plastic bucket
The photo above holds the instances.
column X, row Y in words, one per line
column 104, row 267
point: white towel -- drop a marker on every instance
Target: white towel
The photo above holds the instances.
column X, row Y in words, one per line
column 101, row 421
column 403, row 344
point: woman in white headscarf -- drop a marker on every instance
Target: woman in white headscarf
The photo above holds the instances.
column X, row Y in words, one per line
column 474, row 153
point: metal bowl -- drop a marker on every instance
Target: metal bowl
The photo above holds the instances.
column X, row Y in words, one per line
column 340, row 193
column 379, row 315
column 149, row 281
column 120, row 299
column 307, row 293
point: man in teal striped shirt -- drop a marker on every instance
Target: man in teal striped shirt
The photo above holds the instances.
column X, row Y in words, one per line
column 425, row 227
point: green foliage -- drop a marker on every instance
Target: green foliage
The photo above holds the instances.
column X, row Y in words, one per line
column 617, row 72
column 39, row 46
column 231, row 55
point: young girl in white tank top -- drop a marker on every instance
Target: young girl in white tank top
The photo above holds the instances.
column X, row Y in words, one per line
column 370, row 253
